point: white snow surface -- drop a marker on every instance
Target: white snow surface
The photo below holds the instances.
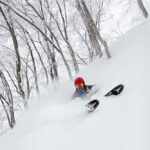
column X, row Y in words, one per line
column 121, row 122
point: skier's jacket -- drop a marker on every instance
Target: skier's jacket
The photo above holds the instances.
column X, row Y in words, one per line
column 80, row 94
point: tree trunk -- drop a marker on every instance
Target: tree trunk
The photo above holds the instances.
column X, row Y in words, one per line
column 34, row 68
column 18, row 61
column 7, row 92
column 65, row 35
column 36, row 49
column 104, row 43
column 87, row 21
column 142, row 8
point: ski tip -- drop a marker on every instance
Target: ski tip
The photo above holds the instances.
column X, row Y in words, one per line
column 116, row 90
column 92, row 105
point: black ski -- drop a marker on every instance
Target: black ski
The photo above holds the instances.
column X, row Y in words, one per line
column 116, row 90
column 92, row 105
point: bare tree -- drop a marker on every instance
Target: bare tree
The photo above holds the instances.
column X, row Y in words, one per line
column 50, row 53
column 9, row 23
column 93, row 32
column 25, row 38
column 26, row 68
column 87, row 44
column 65, row 35
column 142, row 8
column 53, row 40
column 24, row 16
column 7, row 101
column 39, row 55
column 87, row 21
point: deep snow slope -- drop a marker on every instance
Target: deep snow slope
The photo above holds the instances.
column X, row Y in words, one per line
column 119, row 123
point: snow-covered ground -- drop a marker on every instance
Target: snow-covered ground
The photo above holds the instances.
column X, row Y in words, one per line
column 120, row 122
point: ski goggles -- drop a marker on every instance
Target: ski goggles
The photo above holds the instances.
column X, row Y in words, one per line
column 80, row 85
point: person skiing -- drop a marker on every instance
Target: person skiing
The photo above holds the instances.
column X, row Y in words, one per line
column 86, row 91
column 82, row 89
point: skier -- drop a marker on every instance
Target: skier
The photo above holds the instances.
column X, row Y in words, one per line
column 86, row 91
column 82, row 89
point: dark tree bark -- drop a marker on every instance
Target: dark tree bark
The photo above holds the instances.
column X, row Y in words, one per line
column 7, row 101
column 142, row 8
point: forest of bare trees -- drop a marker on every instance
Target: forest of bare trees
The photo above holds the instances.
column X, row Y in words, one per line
column 38, row 43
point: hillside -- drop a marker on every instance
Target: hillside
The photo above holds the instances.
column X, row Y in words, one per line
column 120, row 123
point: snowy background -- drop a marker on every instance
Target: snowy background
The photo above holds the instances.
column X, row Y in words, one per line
column 119, row 123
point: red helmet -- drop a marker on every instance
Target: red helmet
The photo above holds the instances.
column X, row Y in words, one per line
column 78, row 80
